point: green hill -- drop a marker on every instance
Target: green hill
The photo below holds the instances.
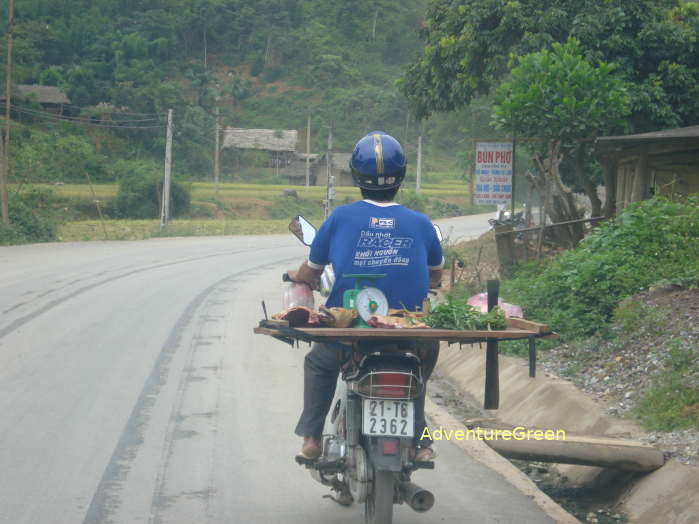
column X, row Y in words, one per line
column 266, row 63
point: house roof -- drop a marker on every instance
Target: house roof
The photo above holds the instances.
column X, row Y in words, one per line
column 680, row 132
column 263, row 139
column 682, row 136
column 42, row 94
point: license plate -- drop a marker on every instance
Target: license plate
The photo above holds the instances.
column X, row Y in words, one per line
column 388, row 418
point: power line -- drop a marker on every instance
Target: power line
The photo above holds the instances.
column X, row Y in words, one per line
column 116, row 111
column 40, row 112
column 87, row 122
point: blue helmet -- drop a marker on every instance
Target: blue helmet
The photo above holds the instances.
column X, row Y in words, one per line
column 378, row 162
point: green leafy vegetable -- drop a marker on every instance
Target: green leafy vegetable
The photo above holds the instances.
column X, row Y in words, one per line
column 457, row 314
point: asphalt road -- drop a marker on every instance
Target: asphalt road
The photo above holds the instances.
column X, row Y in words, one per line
column 132, row 390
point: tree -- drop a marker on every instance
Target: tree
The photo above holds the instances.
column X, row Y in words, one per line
column 565, row 100
column 140, row 196
column 146, row 56
column 468, row 44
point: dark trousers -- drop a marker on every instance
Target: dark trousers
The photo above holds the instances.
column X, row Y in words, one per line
column 320, row 371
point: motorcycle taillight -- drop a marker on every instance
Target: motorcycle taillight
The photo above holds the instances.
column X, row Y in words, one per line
column 385, row 384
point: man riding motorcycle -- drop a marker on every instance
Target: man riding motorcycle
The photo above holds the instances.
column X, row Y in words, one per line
column 373, row 236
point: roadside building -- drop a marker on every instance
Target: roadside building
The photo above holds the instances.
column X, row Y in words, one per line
column 636, row 167
column 281, row 144
column 296, row 169
column 52, row 99
column 339, row 167
column 276, row 140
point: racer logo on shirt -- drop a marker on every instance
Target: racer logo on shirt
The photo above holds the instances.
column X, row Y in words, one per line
column 376, row 249
column 382, row 223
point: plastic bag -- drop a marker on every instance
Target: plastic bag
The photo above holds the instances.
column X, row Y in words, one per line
column 298, row 294
column 480, row 302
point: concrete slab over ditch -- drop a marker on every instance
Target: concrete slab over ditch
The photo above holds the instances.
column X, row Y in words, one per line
column 668, row 494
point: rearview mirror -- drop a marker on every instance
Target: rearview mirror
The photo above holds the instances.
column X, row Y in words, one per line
column 303, row 230
column 439, row 232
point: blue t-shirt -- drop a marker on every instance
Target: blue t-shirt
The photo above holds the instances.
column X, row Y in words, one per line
column 372, row 238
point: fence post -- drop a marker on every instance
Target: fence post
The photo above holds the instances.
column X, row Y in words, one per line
column 505, row 248
column 532, row 356
column 491, row 397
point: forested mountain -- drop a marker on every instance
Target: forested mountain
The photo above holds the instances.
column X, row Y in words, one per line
column 267, row 62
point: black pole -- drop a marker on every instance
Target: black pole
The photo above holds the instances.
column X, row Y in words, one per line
column 491, row 398
column 532, row 357
column 514, row 164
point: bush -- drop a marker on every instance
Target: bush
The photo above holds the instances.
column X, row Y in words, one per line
column 257, row 66
column 413, row 200
column 10, row 235
column 30, row 219
column 58, row 157
column 288, row 208
column 139, row 197
column 578, row 291
column 672, row 402
column 272, row 74
column 441, row 209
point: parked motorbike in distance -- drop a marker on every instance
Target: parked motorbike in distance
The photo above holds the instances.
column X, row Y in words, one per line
column 369, row 448
column 504, row 217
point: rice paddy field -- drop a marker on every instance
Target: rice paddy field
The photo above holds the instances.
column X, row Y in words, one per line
column 207, row 190
column 235, row 209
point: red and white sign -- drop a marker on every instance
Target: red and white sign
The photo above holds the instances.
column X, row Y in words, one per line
column 493, row 175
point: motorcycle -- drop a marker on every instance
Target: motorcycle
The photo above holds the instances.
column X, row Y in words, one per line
column 504, row 217
column 368, row 454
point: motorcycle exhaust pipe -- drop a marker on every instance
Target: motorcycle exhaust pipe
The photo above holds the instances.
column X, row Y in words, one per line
column 419, row 499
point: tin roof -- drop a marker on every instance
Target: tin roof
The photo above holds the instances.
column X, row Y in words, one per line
column 42, row 94
column 263, row 139
column 680, row 132
column 686, row 135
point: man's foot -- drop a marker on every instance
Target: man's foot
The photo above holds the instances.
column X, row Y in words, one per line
column 425, row 455
column 343, row 498
column 310, row 449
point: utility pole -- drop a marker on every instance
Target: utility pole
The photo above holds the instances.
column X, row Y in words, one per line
column 308, row 152
column 165, row 208
column 8, row 104
column 206, row 51
column 269, row 41
column 418, row 181
column 407, row 125
column 217, row 155
column 330, row 187
column 373, row 30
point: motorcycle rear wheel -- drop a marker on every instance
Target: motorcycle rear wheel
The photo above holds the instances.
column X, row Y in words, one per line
column 378, row 508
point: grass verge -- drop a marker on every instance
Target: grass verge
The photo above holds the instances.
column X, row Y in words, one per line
column 672, row 401
column 85, row 230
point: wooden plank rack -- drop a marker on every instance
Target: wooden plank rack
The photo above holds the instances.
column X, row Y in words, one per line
column 516, row 329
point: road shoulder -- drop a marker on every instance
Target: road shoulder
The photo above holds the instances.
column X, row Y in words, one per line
column 479, row 451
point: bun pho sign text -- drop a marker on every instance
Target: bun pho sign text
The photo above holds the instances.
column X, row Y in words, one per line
column 493, row 174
